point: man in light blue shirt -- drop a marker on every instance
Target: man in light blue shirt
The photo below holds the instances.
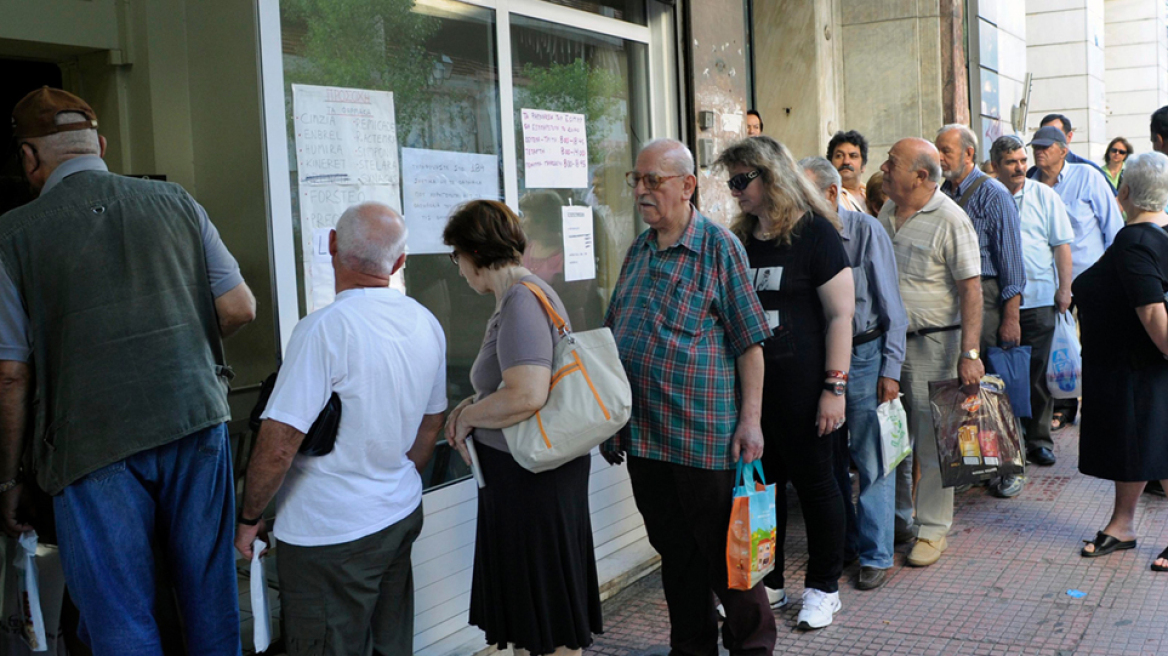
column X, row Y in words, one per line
column 878, row 345
column 1046, row 251
column 1093, row 212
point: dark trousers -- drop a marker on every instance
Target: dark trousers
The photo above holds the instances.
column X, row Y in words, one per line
column 687, row 515
column 351, row 599
column 843, row 477
column 1037, row 333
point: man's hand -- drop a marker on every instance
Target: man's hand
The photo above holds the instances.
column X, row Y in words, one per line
column 747, row 443
column 245, row 535
column 1010, row 332
column 970, row 371
column 13, row 504
column 612, row 457
column 1062, row 300
column 887, row 389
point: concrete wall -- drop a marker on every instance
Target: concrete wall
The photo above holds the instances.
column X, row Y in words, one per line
column 175, row 84
column 1065, row 52
column 1136, row 62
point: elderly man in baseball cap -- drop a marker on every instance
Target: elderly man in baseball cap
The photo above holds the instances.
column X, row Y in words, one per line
column 118, row 292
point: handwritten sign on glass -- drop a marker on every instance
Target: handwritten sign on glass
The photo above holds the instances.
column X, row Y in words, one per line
column 555, row 150
column 434, row 182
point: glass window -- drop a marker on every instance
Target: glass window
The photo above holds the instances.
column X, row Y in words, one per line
column 438, row 58
column 632, row 11
column 564, row 69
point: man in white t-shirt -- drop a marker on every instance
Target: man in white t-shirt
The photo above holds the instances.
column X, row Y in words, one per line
column 347, row 520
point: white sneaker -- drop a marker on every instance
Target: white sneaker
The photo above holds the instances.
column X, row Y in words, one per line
column 818, row 608
column 778, row 598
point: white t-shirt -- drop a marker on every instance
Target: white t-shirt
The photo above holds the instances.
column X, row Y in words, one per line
column 385, row 356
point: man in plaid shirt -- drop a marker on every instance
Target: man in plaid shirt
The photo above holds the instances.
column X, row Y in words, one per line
column 688, row 325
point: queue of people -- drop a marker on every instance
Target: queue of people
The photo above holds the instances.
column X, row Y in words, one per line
column 775, row 338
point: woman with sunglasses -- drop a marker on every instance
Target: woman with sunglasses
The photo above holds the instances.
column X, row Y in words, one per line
column 804, row 282
column 1113, row 161
column 534, row 586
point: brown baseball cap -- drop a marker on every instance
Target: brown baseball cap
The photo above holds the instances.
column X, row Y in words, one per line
column 36, row 114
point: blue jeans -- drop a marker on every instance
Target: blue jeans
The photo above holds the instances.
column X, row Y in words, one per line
column 180, row 497
column 871, row 535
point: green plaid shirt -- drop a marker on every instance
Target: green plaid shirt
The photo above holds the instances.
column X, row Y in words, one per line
column 681, row 317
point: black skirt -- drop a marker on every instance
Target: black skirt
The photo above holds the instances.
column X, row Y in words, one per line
column 535, row 583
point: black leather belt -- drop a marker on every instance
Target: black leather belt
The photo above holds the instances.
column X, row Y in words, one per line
column 870, row 336
column 929, row 331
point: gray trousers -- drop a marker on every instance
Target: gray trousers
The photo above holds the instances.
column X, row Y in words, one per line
column 351, row 599
column 928, row 358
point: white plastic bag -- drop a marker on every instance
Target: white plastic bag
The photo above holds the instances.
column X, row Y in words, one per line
column 50, row 588
column 1064, row 369
column 260, row 608
column 894, row 439
column 30, row 594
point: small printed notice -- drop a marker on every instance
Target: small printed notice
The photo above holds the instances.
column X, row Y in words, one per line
column 434, row 182
column 579, row 247
column 346, row 153
column 555, row 150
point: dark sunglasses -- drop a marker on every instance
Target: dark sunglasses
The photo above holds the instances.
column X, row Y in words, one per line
column 1116, row 151
column 742, row 180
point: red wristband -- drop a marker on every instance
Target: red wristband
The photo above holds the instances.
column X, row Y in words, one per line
column 842, row 375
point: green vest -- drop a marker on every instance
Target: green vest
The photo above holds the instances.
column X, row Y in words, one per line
column 126, row 351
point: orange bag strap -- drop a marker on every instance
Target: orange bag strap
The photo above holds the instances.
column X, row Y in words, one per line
column 557, row 320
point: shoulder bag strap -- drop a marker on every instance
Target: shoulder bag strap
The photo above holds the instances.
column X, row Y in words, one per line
column 557, row 320
column 972, row 188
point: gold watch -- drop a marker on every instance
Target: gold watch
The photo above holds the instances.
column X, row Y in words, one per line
column 971, row 354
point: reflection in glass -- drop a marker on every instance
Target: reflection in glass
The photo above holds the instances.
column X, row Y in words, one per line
column 632, row 11
column 564, row 69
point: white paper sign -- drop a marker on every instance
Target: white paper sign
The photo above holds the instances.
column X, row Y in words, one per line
column 555, row 150
column 579, row 249
column 346, row 153
column 434, row 182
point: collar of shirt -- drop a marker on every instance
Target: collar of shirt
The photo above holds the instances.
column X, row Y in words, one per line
column 71, row 166
column 847, row 225
column 378, row 292
column 690, row 239
column 935, row 201
column 972, row 176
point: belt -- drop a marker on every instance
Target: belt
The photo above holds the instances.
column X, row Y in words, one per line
column 929, row 331
column 870, row 336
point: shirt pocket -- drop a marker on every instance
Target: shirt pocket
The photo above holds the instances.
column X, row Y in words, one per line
column 686, row 310
column 920, row 262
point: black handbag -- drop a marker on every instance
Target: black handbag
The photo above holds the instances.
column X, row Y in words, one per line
column 321, row 436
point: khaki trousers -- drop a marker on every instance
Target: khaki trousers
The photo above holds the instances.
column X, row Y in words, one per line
column 931, row 357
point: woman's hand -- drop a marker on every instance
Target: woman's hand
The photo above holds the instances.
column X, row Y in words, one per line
column 457, row 429
column 831, row 412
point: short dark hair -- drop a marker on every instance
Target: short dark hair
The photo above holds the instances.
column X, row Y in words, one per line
column 487, row 232
column 851, row 137
column 1067, row 127
column 754, row 113
column 1160, row 122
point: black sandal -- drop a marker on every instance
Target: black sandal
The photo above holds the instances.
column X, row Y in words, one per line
column 1163, row 556
column 1059, row 417
column 1105, row 544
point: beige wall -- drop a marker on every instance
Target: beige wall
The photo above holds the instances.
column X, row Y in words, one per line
column 175, row 84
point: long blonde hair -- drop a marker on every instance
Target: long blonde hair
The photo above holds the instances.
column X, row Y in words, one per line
column 789, row 194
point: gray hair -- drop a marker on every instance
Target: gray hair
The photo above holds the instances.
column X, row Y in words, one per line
column 1004, row 146
column 968, row 138
column 370, row 238
column 929, row 164
column 56, row 148
column 676, row 156
column 821, row 172
column 1146, row 177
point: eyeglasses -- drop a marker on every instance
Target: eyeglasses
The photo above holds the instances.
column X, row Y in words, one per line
column 652, row 181
column 743, row 180
column 1116, row 151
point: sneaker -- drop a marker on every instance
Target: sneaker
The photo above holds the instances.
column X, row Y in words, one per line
column 778, row 598
column 1007, row 487
column 818, row 608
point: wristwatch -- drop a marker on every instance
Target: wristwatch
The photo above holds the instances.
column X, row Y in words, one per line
column 971, row 354
column 838, row 388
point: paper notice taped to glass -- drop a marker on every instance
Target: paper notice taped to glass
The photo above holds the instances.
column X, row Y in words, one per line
column 579, row 246
column 555, row 150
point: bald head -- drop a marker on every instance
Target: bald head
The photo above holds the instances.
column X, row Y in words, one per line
column 670, row 155
column 912, row 171
column 371, row 238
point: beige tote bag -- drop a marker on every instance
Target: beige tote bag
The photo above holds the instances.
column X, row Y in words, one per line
column 589, row 400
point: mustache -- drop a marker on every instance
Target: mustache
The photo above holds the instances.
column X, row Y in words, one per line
column 847, row 167
column 646, row 199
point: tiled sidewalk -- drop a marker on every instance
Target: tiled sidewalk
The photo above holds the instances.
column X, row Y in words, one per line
column 1000, row 589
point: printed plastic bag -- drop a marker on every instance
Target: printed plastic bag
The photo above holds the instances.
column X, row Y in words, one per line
column 1012, row 365
column 750, row 540
column 1064, row 369
column 977, row 433
column 260, row 607
column 30, row 594
column 51, row 588
column 894, row 439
